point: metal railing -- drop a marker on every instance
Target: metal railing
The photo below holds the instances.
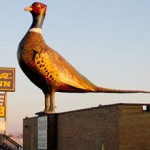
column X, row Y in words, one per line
column 8, row 143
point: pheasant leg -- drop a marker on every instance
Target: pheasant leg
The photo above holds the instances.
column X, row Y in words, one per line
column 49, row 103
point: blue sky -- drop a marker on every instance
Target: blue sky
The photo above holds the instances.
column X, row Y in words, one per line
column 107, row 41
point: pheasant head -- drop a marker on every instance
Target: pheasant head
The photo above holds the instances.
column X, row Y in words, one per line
column 38, row 11
column 37, row 8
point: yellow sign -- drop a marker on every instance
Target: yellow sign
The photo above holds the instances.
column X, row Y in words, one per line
column 2, row 125
column 2, row 111
column 7, row 79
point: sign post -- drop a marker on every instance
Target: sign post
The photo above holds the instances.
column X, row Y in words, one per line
column 5, row 112
column 2, row 105
column 7, row 84
column 3, row 101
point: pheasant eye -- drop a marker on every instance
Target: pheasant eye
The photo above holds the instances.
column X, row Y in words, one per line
column 38, row 6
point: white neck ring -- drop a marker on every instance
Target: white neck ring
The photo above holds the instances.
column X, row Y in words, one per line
column 38, row 30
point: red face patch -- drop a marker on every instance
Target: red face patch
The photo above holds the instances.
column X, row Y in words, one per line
column 38, row 7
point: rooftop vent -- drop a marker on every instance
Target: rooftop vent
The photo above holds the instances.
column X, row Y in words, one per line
column 146, row 108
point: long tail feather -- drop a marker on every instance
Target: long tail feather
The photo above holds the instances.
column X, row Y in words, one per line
column 108, row 90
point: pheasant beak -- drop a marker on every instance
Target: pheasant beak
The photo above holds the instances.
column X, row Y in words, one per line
column 28, row 9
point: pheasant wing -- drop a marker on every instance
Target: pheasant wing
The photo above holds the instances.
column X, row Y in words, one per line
column 57, row 71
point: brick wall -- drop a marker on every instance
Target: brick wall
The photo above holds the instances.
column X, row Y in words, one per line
column 88, row 129
column 116, row 127
column 134, row 128
column 30, row 133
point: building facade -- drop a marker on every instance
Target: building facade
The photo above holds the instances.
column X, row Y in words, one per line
column 108, row 127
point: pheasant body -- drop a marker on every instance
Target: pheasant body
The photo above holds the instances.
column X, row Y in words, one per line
column 49, row 70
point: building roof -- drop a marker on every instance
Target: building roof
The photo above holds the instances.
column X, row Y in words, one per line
column 104, row 106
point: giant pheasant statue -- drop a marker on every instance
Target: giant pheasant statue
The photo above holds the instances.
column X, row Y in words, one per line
column 49, row 70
